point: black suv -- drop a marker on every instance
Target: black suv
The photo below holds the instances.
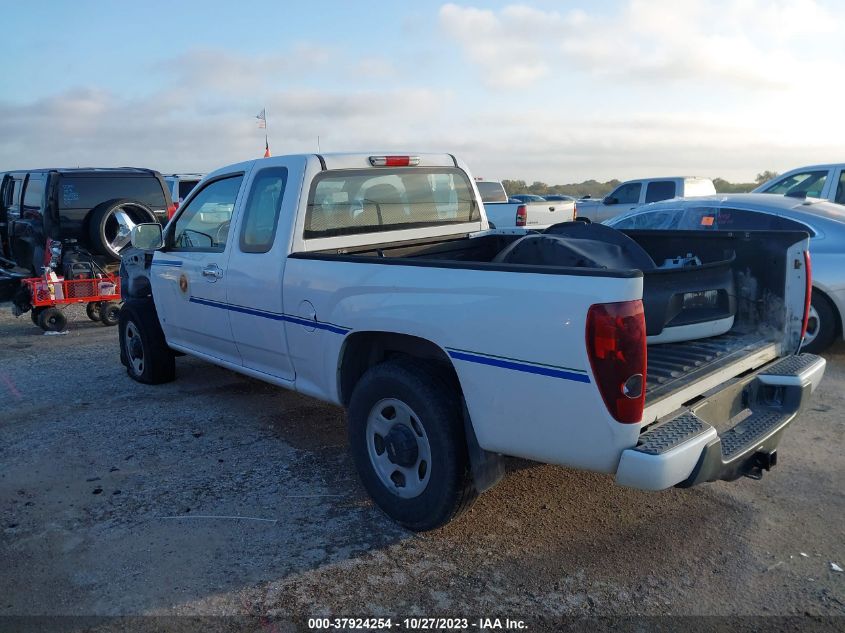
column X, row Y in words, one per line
column 96, row 208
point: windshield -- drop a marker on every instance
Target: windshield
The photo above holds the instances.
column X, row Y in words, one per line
column 346, row 202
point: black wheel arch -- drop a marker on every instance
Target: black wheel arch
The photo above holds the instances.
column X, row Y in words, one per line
column 362, row 350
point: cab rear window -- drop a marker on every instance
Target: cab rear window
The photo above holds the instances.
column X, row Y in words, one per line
column 346, row 202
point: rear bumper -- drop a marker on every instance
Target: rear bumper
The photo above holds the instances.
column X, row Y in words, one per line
column 732, row 432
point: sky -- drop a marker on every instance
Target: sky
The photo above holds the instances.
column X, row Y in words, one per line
column 552, row 91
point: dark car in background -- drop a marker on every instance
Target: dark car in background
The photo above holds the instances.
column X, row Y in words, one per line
column 526, row 197
column 558, row 197
column 95, row 208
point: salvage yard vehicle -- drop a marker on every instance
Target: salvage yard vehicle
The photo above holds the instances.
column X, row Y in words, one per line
column 505, row 212
column 633, row 193
column 180, row 186
column 815, row 181
column 94, row 207
column 375, row 283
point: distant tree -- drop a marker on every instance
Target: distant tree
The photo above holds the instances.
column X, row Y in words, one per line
column 723, row 186
column 766, row 175
column 538, row 188
column 515, row 186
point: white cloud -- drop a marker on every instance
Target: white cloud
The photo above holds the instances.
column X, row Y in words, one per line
column 751, row 43
column 655, row 88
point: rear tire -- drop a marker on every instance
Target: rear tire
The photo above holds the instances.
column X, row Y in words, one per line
column 407, row 439
column 821, row 329
column 143, row 349
column 52, row 320
column 34, row 314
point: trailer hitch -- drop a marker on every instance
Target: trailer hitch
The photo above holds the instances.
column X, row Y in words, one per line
column 760, row 461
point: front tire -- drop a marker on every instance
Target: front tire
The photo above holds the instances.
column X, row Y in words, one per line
column 407, row 439
column 821, row 327
column 143, row 349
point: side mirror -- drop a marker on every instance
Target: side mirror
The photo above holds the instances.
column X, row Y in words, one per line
column 147, row 236
column 610, row 200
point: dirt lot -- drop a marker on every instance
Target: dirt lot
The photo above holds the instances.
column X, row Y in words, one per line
column 220, row 495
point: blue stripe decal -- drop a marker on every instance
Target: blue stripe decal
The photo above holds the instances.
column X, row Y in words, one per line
column 167, row 262
column 457, row 355
column 275, row 316
column 519, row 366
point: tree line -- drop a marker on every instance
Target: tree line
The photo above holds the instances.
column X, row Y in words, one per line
column 596, row 189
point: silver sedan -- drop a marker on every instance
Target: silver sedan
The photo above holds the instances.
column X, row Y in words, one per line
column 824, row 221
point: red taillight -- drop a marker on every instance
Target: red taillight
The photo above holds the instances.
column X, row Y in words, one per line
column 808, row 292
column 574, row 210
column 171, row 210
column 394, row 161
column 521, row 215
column 616, row 345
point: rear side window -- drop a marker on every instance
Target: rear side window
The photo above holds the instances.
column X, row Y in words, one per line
column 727, row 219
column 203, row 224
column 186, row 187
column 33, row 193
column 347, row 202
column 659, row 190
column 15, row 189
column 491, row 192
column 808, row 183
column 86, row 192
column 649, row 221
column 261, row 213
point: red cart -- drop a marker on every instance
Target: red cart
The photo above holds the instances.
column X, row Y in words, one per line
column 101, row 293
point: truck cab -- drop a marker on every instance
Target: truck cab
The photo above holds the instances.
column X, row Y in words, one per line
column 633, row 193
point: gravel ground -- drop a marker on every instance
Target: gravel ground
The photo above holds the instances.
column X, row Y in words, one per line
column 220, row 495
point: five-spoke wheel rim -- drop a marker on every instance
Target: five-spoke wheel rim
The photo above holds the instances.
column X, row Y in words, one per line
column 118, row 225
column 398, row 447
column 134, row 349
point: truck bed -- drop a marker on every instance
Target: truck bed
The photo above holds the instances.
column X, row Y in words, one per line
column 677, row 373
column 674, row 365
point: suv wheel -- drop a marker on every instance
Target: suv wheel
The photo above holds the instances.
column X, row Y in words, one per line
column 110, row 225
column 407, row 438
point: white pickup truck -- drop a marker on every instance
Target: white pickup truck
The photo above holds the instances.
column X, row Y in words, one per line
column 373, row 282
column 504, row 214
column 633, row 193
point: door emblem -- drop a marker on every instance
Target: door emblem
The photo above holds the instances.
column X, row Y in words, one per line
column 183, row 283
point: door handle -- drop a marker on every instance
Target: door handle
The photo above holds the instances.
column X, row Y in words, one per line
column 212, row 272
